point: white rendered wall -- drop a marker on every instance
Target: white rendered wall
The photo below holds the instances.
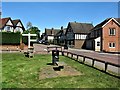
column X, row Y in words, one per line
column 80, row 36
column 19, row 24
column 50, row 37
column 97, row 48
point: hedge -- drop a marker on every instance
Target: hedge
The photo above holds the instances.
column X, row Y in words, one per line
column 25, row 40
column 10, row 38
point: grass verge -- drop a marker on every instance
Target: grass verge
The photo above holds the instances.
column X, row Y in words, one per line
column 22, row 72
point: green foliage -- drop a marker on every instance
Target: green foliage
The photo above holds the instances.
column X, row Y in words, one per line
column 25, row 40
column 10, row 38
column 26, row 32
column 19, row 71
column 33, row 30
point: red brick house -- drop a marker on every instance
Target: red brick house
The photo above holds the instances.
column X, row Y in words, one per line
column 105, row 36
column 76, row 34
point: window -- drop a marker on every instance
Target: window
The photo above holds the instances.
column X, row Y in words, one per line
column 112, row 31
column 75, row 36
column 111, row 45
column 98, row 43
column 7, row 28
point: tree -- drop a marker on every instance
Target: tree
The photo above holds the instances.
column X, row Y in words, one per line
column 29, row 25
column 33, row 30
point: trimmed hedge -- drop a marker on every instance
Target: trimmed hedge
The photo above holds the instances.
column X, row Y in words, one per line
column 10, row 38
column 25, row 40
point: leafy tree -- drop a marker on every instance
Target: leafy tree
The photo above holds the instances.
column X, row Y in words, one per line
column 33, row 30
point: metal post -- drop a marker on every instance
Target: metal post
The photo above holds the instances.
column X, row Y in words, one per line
column 28, row 40
column 106, row 66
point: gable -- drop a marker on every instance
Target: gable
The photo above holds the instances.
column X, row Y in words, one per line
column 111, row 20
column 19, row 24
column 69, row 29
column 9, row 23
column 80, row 27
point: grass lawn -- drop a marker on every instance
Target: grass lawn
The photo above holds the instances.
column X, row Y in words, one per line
column 22, row 72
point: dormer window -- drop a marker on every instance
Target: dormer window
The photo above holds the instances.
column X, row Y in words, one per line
column 112, row 31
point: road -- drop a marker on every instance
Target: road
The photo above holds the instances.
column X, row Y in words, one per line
column 113, row 58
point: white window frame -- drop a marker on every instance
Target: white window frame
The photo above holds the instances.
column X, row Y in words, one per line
column 98, row 43
column 112, row 45
column 112, row 30
column 75, row 36
column 8, row 28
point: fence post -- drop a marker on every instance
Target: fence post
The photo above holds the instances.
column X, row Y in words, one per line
column 62, row 53
column 93, row 60
column 67, row 54
column 84, row 59
column 106, row 66
column 71, row 55
column 77, row 57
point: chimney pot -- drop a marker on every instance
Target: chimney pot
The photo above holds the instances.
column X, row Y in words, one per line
column 61, row 27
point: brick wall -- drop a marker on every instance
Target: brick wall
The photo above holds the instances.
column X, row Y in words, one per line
column 107, row 38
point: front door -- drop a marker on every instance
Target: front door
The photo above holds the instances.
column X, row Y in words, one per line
column 97, row 44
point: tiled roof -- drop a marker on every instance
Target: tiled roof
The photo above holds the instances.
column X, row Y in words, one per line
column 63, row 31
column 15, row 22
column 81, row 27
column 3, row 21
column 104, row 22
column 99, row 27
column 118, row 19
column 51, row 31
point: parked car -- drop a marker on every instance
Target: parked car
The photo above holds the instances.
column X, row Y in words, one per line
column 43, row 42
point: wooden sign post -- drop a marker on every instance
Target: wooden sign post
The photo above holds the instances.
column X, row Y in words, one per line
column 30, row 40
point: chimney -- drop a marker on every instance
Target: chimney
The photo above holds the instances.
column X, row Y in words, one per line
column 52, row 28
column 61, row 27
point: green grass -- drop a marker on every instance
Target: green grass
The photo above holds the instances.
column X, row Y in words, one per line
column 22, row 72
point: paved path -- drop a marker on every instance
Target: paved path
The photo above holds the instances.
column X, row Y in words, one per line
column 40, row 48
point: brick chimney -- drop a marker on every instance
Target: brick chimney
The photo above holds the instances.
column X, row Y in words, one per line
column 61, row 27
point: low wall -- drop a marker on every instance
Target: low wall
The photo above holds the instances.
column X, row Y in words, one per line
column 107, row 67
